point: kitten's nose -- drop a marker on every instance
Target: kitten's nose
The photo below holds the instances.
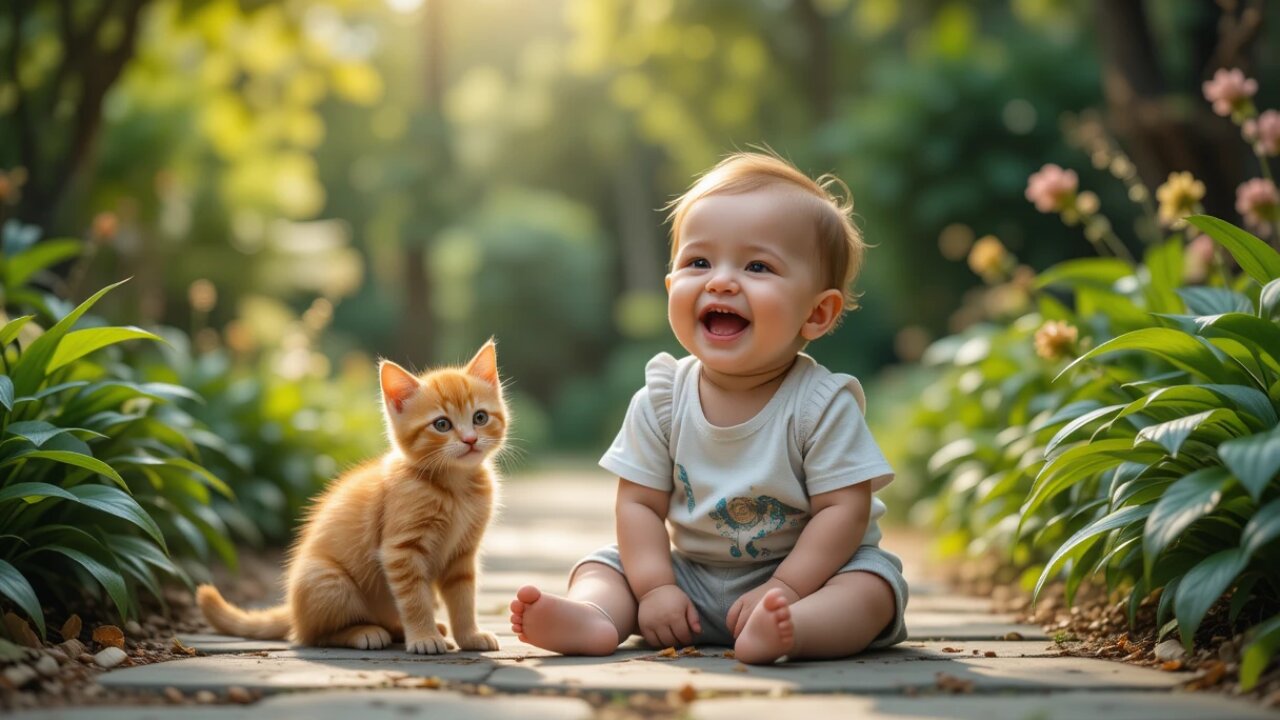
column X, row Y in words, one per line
column 469, row 439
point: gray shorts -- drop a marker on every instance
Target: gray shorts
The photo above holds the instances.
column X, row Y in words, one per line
column 714, row 588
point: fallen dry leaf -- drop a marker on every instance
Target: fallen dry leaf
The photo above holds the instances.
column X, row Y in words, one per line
column 690, row 651
column 686, row 693
column 1171, row 665
column 20, row 631
column 989, row 653
column 950, row 649
column 668, row 652
column 71, row 628
column 189, row 651
column 1014, row 635
column 729, row 654
column 109, row 636
column 953, row 684
column 1211, row 673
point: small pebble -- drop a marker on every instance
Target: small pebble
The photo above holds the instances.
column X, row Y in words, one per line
column 1170, row 650
column 109, row 657
column 58, row 655
column 174, row 695
column 73, row 648
column 133, row 628
column 206, row 697
column 237, row 694
column 19, row 675
column 47, row 664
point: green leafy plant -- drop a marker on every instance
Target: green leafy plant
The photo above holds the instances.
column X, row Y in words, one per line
column 99, row 486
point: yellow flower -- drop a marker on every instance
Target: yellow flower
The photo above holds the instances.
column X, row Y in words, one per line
column 988, row 257
column 1056, row 339
column 1178, row 197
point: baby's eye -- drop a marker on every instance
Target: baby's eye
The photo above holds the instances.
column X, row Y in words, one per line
column 442, row 425
column 700, row 263
column 481, row 417
column 757, row 267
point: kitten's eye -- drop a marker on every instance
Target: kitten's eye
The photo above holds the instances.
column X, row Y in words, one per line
column 481, row 417
column 757, row 267
column 442, row 425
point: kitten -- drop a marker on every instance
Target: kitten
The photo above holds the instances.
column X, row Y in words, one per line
column 386, row 537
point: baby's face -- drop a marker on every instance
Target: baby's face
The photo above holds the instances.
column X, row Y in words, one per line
column 745, row 280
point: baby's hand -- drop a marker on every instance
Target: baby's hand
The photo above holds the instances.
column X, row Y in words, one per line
column 741, row 610
column 667, row 617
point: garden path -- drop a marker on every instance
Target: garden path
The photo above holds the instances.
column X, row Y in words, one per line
column 958, row 663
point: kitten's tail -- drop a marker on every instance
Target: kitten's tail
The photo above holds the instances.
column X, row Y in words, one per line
column 270, row 624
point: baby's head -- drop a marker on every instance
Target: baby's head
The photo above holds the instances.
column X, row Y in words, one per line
column 762, row 262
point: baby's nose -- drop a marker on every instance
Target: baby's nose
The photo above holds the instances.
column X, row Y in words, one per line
column 722, row 282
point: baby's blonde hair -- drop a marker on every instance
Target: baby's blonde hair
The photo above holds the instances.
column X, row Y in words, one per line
column 840, row 243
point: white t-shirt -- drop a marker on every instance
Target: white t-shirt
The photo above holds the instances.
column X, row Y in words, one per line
column 740, row 494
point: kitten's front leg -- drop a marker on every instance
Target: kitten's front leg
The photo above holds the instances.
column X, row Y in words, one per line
column 408, row 571
column 458, row 588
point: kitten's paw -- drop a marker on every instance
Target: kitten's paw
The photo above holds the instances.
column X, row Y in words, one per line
column 478, row 640
column 427, row 645
column 368, row 637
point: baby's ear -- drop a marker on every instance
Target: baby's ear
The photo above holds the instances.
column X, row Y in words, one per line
column 823, row 317
column 397, row 384
column 485, row 364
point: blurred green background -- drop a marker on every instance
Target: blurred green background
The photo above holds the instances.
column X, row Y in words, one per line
column 307, row 185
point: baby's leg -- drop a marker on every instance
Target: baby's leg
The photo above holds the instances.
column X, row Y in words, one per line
column 598, row 614
column 840, row 619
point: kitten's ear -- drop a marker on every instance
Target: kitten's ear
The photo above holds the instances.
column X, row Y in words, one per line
column 485, row 364
column 397, row 384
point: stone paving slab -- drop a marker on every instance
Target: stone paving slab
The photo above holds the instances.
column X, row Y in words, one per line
column 366, row 705
column 628, row 674
column 1057, row 706
column 314, row 672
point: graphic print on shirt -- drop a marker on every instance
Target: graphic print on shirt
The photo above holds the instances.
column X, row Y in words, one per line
column 688, row 489
column 751, row 519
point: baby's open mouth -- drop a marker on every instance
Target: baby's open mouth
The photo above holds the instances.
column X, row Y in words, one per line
column 723, row 322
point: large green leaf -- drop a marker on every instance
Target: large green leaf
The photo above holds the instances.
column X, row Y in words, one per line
column 104, row 573
column 1254, row 256
column 179, row 463
column 1262, row 528
column 1202, row 586
column 37, row 431
column 1269, row 300
column 1194, row 398
column 1088, row 535
column 1170, row 435
column 1068, row 431
column 1179, row 349
column 113, row 501
column 1163, row 264
column 1263, row 641
column 1252, row 331
column 1080, row 463
column 31, row 491
column 82, row 342
column 1182, row 503
column 50, row 252
column 1214, row 300
column 30, row 370
column 70, row 458
column 11, row 329
column 1255, row 460
column 1096, row 272
column 14, row 586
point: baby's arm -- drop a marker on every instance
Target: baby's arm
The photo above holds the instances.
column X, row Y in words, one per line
column 665, row 616
column 839, row 521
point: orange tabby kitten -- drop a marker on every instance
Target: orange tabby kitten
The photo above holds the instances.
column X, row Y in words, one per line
column 386, row 537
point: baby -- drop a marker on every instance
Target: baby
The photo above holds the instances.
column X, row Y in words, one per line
column 757, row 458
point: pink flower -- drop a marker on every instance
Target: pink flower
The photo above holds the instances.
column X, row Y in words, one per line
column 1258, row 201
column 1264, row 133
column 1052, row 189
column 1228, row 89
column 1198, row 258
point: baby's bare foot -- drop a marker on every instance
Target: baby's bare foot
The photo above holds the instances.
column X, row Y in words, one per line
column 769, row 633
column 561, row 625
